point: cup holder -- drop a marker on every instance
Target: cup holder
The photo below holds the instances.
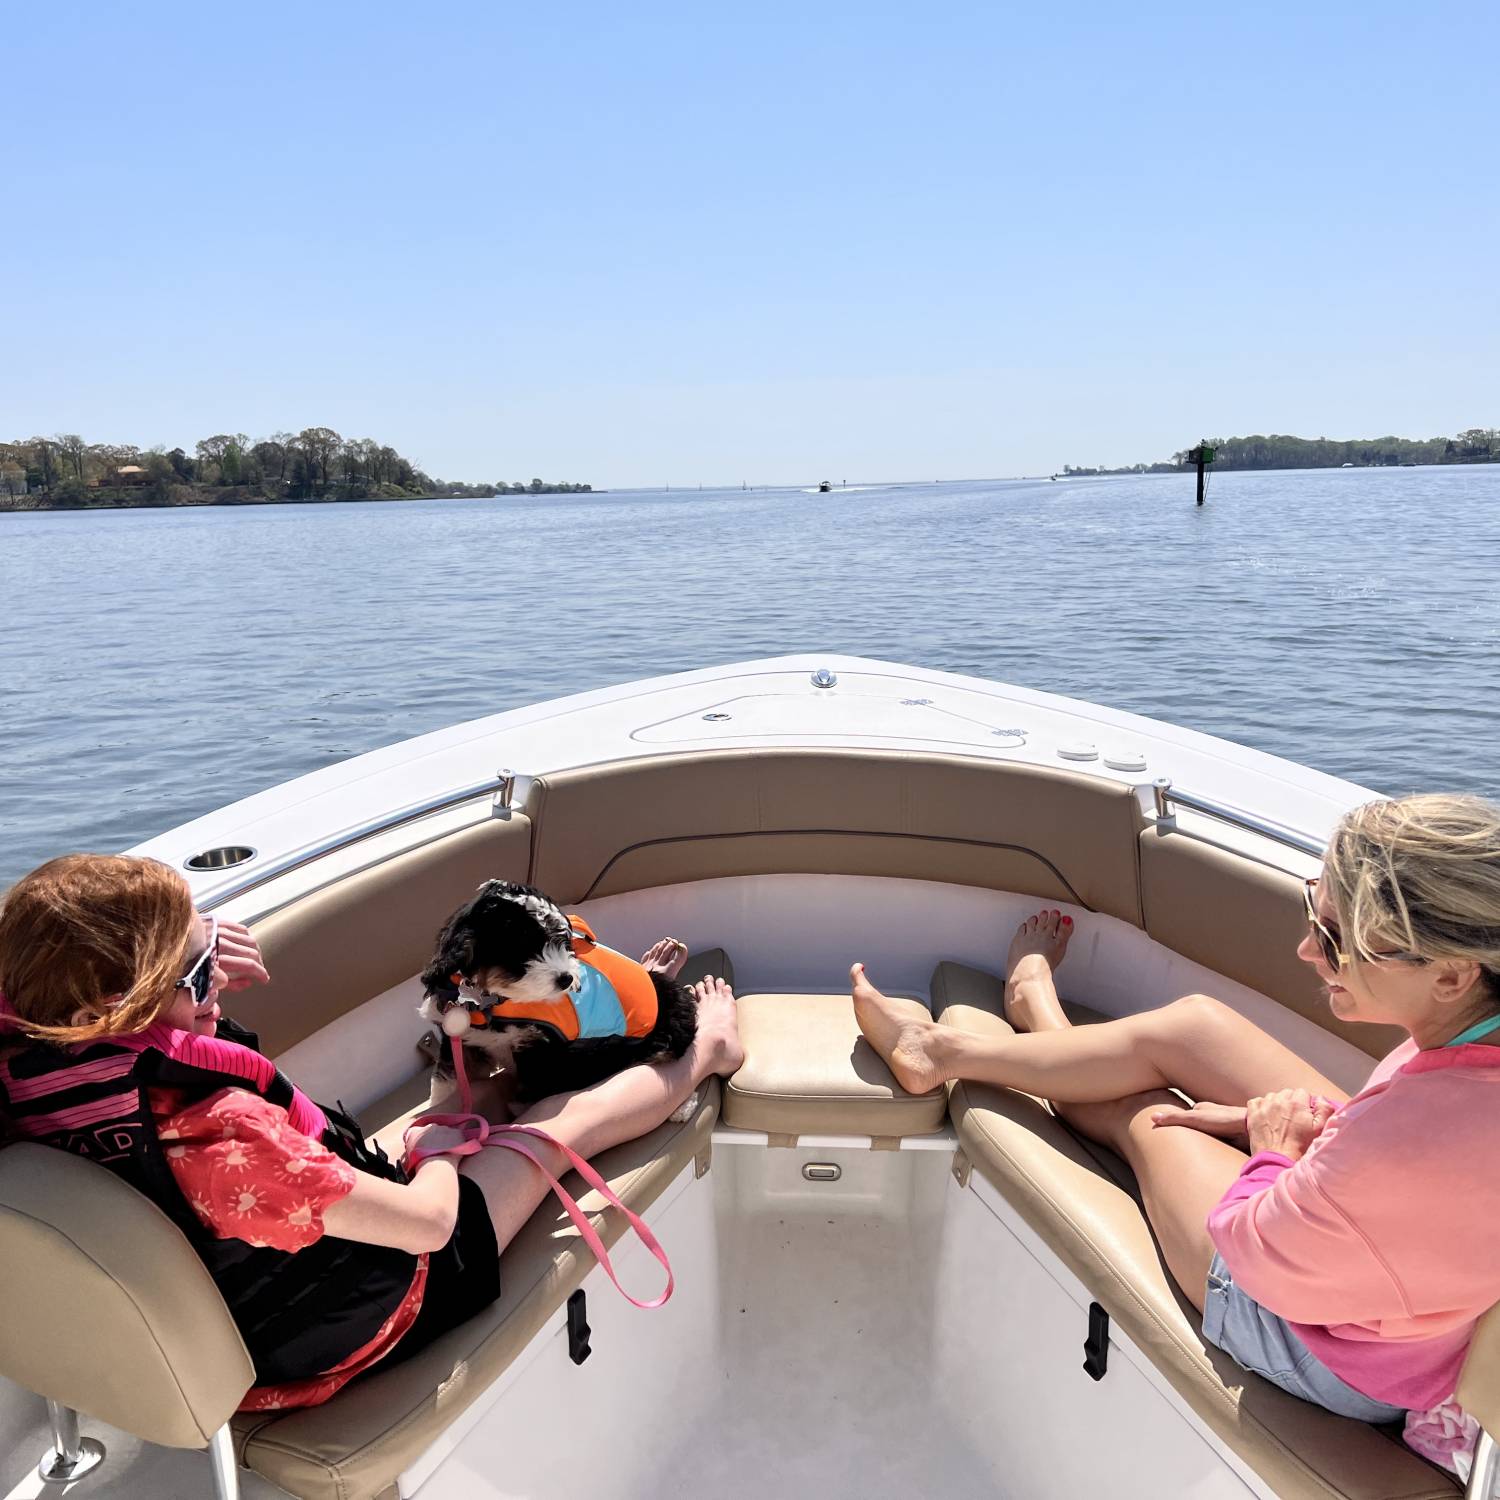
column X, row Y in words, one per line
column 225, row 857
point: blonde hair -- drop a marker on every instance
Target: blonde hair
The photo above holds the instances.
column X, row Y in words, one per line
column 1420, row 876
column 87, row 927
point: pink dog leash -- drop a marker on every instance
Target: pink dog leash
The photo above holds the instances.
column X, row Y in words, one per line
column 482, row 1133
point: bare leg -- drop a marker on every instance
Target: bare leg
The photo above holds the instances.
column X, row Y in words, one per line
column 1196, row 1044
column 1182, row 1174
column 619, row 1109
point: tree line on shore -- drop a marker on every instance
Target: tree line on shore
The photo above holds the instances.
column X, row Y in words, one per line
column 64, row 471
column 1472, row 445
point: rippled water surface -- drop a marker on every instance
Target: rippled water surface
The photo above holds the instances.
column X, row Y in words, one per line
column 159, row 663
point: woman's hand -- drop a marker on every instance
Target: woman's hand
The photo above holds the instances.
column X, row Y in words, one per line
column 239, row 956
column 432, row 1140
column 1287, row 1122
column 1226, row 1121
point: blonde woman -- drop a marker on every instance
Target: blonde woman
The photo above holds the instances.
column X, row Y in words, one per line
column 1341, row 1247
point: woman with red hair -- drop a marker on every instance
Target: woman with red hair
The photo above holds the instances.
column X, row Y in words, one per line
column 331, row 1258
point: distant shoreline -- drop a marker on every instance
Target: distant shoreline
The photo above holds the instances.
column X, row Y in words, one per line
column 28, row 504
column 1270, row 451
column 314, row 466
column 1148, row 471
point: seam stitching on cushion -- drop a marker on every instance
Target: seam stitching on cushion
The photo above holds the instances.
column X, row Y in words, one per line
column 536, row 818
column 912, row 1102
column 853, row 833
column 331, row 1471
column 1140, row 877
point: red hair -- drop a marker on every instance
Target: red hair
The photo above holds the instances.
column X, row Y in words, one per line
column 87, row 928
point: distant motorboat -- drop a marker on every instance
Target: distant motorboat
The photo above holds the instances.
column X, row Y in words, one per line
column 825, row 486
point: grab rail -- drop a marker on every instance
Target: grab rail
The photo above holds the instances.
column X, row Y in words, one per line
column 506, row 783
column 503, row 784
column 1165, row 794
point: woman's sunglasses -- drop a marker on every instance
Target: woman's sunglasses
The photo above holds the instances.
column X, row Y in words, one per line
column 200, row 978
column 1328, row 943
column 1328, row 940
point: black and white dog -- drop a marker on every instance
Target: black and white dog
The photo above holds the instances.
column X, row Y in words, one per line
column 538, row 995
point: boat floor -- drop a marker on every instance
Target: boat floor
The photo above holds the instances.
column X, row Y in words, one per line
column 813, row 1379
column 849, row 1409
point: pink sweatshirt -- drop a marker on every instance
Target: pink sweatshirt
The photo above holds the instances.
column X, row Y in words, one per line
column 1380, row 1245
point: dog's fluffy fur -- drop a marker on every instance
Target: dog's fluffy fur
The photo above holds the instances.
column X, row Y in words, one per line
column 512, row 940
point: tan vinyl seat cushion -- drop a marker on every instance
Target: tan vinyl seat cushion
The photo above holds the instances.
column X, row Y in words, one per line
column 1098, row 1229
column 1054, row 834
column 91, row 1264
column 808, row 1071
column 354, row 1447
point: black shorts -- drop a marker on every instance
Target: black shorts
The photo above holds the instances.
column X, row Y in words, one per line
column 462, row 1278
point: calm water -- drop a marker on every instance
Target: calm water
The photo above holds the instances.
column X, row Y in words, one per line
column 157, row 664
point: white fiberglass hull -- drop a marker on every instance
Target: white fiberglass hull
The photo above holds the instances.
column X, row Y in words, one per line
column 901, row 1331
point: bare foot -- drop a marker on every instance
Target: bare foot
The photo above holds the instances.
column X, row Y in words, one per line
column 665, row 958
column 717, row 1043
column 902, row 1032
column 1039, row 946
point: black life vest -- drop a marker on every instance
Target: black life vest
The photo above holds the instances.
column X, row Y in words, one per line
column 299, row 1312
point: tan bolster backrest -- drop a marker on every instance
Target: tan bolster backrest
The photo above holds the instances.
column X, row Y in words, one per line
column 1052, row 834
column 1244, row 920
column 329, row 952
column 107, row 1307
column 1479, row 1384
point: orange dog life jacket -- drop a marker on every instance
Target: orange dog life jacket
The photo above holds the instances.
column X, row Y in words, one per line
column 614, row 996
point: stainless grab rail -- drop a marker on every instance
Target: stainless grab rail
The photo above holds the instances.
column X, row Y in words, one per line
column 502, row 785
column 1165, row 794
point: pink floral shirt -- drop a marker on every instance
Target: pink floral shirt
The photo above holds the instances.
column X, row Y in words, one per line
column 249, row 1175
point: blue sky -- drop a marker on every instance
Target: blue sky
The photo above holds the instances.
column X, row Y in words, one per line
column 683, row 243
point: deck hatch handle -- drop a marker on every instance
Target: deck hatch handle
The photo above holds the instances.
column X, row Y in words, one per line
column 1096, row 1345
column 578, row 1327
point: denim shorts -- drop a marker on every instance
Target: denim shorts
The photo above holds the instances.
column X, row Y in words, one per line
column 1266, row 1346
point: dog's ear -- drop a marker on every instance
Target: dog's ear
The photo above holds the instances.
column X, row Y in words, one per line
column 454, row 955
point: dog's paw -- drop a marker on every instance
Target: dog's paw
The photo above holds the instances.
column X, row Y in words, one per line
column 686, row 1110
